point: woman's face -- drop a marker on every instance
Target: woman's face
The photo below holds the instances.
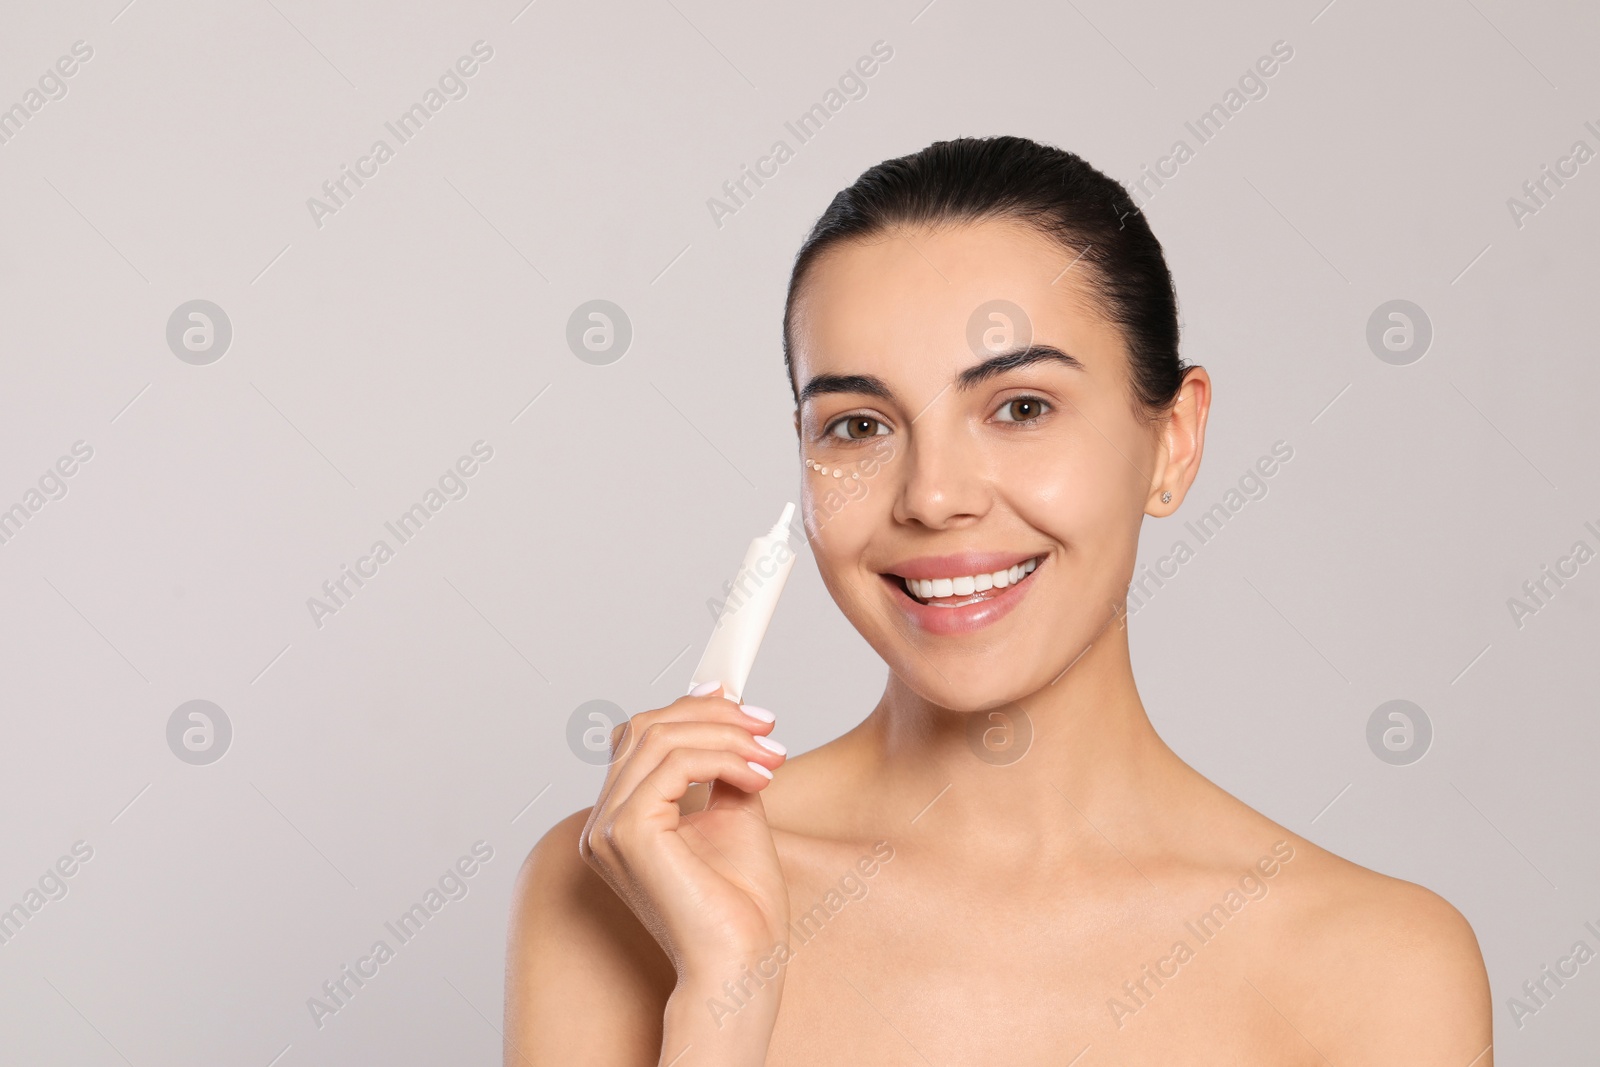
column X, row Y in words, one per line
column 979, row 412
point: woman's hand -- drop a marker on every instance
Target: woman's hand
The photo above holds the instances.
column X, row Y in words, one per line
column 707, row 885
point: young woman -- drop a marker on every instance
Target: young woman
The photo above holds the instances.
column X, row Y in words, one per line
column 1003, row 862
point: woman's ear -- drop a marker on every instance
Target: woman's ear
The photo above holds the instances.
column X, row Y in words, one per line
column 1182, row 440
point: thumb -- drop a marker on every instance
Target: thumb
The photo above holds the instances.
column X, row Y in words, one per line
column 727, row 797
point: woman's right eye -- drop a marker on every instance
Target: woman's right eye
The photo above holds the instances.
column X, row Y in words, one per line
column 857, row 428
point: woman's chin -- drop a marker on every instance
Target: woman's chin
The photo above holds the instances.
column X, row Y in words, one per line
column 962, row 688
column 976, row 676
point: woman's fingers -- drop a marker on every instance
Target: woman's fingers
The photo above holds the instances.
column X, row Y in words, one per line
column 709, row 895
column 658, row 754
column 708, row 707
column 650, row 808
column 659, row 740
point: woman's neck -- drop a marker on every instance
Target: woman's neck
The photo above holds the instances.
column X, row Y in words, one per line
column 1010, row 778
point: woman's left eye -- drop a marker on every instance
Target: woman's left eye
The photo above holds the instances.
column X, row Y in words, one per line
column 1021, row 409
column 857, row 427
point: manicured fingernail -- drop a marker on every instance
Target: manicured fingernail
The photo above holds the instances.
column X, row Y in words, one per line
column 754, row 766
column 771, row 746
column 754, row 712
column 703, row 688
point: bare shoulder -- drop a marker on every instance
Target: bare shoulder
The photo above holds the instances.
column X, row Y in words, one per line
column 585, row 982
column 1388, row 971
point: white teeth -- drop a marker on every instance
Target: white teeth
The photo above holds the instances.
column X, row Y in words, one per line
column 936, row 588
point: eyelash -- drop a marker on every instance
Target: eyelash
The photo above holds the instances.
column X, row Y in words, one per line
column 1045, row 408
column 828, row 431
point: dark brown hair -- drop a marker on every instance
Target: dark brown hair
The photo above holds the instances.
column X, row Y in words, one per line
column 976, row 179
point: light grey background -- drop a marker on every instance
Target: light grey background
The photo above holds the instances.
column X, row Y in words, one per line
column 369, row 353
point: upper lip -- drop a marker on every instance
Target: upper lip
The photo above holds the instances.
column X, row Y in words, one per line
column 959, row 565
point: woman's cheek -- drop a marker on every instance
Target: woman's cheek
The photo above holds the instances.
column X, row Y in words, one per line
column 836, row 517
column 1083, row 509
column 1053, row 494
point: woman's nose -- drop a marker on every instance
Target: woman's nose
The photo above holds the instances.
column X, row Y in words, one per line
column 944, row 482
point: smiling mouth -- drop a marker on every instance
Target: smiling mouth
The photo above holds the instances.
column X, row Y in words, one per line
column 956, row 592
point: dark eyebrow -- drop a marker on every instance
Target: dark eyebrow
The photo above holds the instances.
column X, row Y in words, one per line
column 865, row 384
column 1017, row 358
column 869, row 385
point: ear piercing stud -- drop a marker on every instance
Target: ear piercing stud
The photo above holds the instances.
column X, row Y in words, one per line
column 837, row 472
column 1166, row 498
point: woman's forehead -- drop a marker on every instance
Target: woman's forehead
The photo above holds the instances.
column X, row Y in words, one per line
column 931, row 303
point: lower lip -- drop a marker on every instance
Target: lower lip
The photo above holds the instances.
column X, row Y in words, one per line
column 967, row 618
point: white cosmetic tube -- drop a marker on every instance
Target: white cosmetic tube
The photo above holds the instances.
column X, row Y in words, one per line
column 745, row 614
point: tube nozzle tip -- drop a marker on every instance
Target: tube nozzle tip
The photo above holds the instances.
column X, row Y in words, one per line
column 781, row 528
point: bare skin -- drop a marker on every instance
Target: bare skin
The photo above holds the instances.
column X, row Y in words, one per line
column 1003, row 860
